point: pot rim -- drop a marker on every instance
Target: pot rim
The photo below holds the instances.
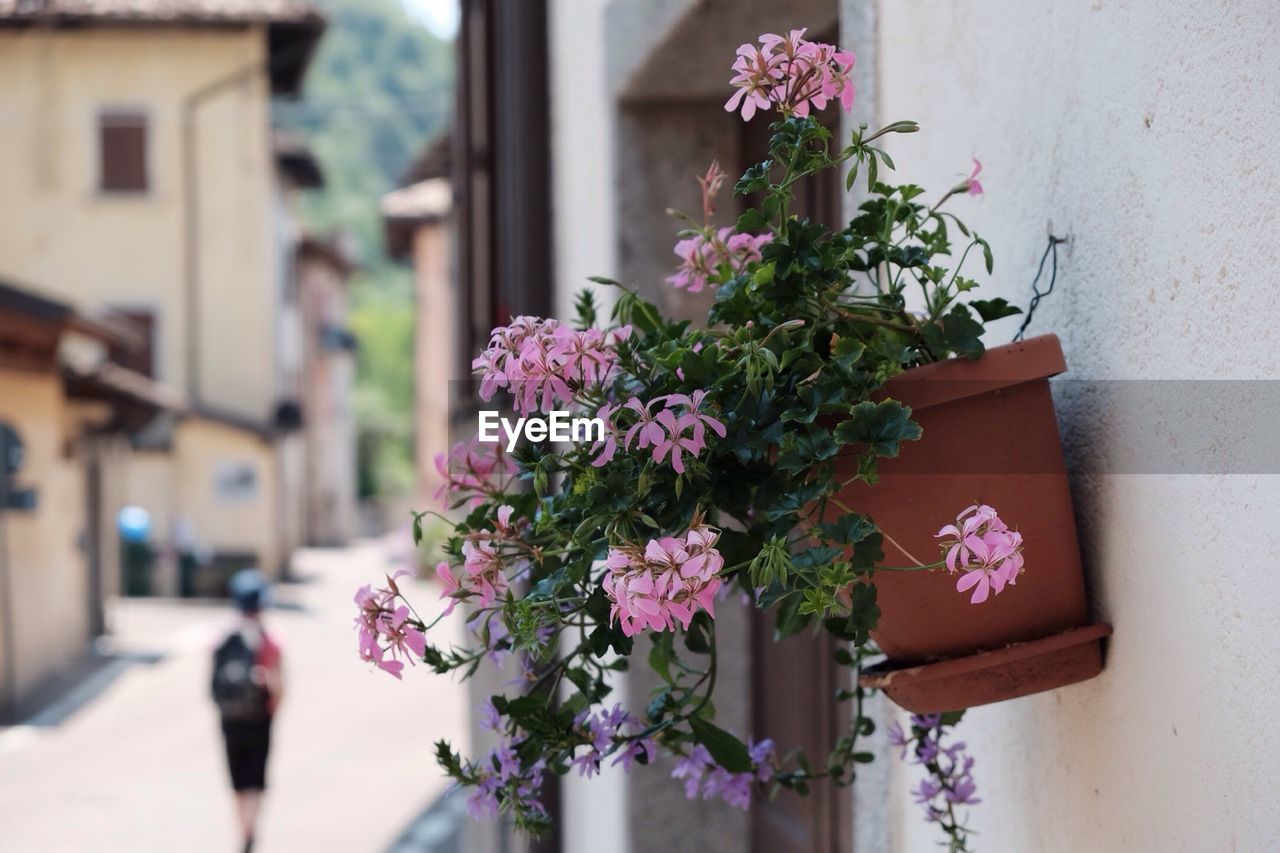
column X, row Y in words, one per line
column 956, row 378
column 885, row 676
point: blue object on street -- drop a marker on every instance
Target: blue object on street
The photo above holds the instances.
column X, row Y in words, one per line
column 134, row 524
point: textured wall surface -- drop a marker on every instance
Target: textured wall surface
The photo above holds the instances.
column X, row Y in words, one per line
column 1147, row 133
column 47, row 581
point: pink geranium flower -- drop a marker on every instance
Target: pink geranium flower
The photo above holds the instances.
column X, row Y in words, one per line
column 380, row 620
column 974, row 185
column 606, row 447
column 647, row 431
column 473, row 470
column 982, row 549
column 544, row 363
column 702, row 255
column 666, row 582
column 791, row 74
column 677, row 428
column 482, row 575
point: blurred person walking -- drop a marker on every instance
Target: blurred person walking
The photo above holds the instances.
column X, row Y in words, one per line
column 247, row 688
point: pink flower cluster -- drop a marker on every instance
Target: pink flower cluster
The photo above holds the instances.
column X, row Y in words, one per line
column 790, row 73
column 703, row 777
column 541, row 362
column 702, row 255
column 605, row 731
column 678, row 427
column 380, row 620
column 473, row 469
column 483, row 573
column 668, row 582
column 984, row 549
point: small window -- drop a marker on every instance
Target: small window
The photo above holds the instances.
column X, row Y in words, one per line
column 141, row 357
column 122, row 150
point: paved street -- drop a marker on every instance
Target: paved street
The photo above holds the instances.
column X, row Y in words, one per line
column 137, row 766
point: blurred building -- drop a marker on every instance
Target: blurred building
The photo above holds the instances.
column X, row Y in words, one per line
column 419, row 231
column 325, row 388
column 65, row 415
column 141, row 174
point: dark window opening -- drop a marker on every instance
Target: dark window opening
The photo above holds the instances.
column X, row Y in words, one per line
column 122, row 150
column 142, row 357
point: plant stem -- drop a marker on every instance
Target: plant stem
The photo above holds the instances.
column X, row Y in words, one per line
column 895, row 543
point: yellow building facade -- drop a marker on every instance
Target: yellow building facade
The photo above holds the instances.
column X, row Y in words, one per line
column 139, row 175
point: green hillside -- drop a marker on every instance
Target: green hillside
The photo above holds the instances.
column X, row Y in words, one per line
column 379, row 88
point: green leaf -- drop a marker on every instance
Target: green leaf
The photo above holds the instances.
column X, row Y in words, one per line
column 956, row 332
column 751, row 220
column 754, row 178
column 881, row 426
column 848, row 528
column 764, row 274
column 729, row 752
column 789, row 619
column 993, row 309
column 698, row 638
column 660, row 656
column 585, row 309
column 851, row 177
column 864, row 613
column 848, row 351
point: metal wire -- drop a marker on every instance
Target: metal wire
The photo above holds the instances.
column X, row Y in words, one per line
column 1037, row 295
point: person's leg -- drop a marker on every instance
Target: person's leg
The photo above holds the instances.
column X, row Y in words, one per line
column 247, row 806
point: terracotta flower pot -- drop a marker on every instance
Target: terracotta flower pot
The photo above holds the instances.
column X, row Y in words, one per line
column 990, row 436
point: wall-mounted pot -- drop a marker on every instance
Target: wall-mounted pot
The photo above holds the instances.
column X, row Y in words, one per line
column 990, row 437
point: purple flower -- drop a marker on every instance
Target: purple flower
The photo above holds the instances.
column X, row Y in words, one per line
column 963, row 792
column 588, row 763
column 926, row 790
column 703, row 777
column 607, row 730
column 898, row 738
column 950, row 780
column 489, row 717
column 631, row 753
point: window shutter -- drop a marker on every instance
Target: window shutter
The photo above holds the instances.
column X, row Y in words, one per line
column 122, row 144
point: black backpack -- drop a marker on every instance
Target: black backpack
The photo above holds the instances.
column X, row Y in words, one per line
column 239, row 698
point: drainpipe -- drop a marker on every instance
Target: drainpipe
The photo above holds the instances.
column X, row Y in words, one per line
column 190, row 195
column 191, row 214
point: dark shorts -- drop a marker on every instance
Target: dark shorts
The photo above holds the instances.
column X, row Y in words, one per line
column 247, row 746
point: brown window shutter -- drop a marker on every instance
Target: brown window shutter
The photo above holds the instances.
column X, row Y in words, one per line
column 140, row 358
column 122, row 146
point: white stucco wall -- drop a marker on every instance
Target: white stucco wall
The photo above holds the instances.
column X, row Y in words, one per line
column 582, row 125
column 1149, row 134
column 581, row 154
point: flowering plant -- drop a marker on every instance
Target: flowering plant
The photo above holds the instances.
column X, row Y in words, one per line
column 716, row 469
